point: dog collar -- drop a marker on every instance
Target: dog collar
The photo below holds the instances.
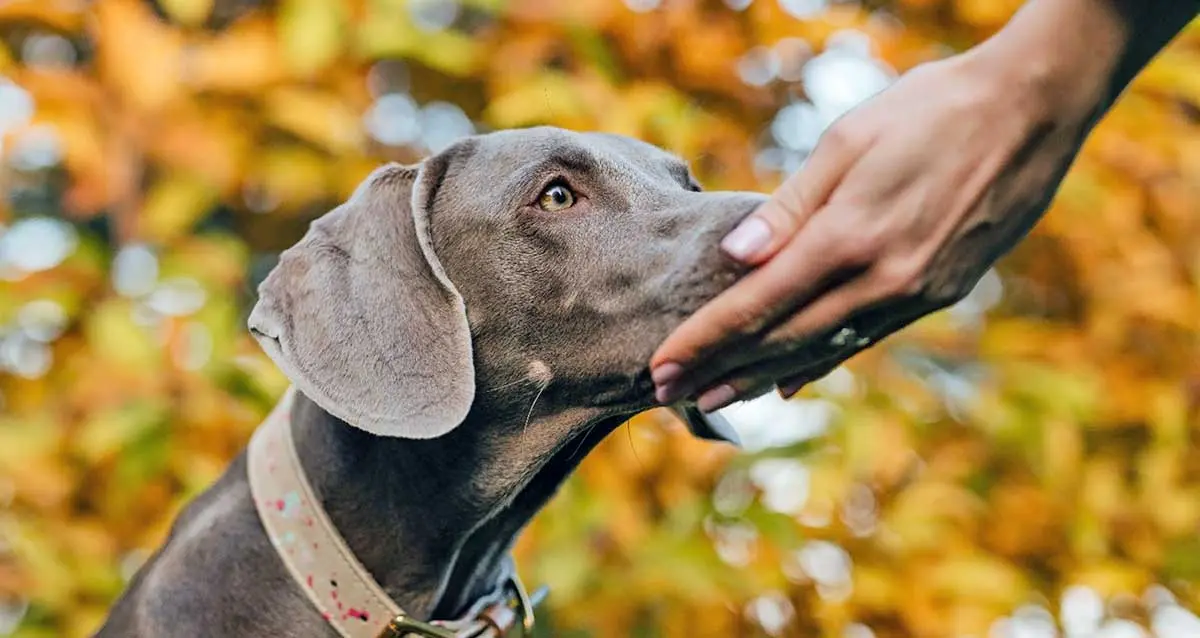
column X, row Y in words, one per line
column 323, row 566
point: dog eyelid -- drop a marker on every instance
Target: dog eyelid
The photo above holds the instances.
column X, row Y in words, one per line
column 545, row 184
column 557, row 196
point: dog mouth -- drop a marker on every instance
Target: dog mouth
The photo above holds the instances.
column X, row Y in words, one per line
column 624, row 391
column 637, row 394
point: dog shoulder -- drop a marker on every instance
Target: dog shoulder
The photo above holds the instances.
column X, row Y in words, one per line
column 217, row 575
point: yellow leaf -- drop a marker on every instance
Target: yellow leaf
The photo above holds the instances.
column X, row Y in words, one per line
column 1173, row 72
column 1110, row 578
column 961, row 576
column 311, row 33
column 188, row 12
column 289, row 176
column 107, row 433
column 6, row 62
column 986, row 13
column 64, row 16
column 388, row 31
column 210, row 144
column 113, row 335
column 173, row 206
column 550, row 98
column 138, row 53
column 243, row 59
column 320, row 118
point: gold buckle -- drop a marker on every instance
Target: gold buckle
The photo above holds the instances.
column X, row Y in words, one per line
column 526, row 602
column 402, row 626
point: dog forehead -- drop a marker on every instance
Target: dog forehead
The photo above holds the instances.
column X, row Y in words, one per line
column 517, row 147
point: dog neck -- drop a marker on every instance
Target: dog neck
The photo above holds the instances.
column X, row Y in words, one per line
column 433, row 520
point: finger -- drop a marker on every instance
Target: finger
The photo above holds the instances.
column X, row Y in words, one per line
column 841, row 299
column 715, row 366
column 886, row 321
column 829, row 311
column 744, row 384
column 868, row 305
column 748, row 306
column 865, row 297
column 762, row 234
column 790, row 386
column 747, row 381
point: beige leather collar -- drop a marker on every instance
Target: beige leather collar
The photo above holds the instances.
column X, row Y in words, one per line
column 324, row 567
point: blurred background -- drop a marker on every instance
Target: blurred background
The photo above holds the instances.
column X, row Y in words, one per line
column 1022, row 465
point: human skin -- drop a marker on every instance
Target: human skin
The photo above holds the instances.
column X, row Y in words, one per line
column 909, row 198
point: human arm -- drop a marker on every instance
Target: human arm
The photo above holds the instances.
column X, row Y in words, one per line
column 909, row 198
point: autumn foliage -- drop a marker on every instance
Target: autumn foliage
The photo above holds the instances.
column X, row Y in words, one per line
column 1027, row 459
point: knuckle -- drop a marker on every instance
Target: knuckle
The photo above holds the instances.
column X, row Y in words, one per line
column 840, row 136
column 857, row 249
column 838, row 234
column 745, row 321
column 783, row 218
column 788, row 338
column 901, row 278
column 942, row 294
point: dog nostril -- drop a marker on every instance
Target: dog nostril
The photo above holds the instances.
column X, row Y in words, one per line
column 256, row 332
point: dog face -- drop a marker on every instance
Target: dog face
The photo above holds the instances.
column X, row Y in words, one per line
column 534, row 257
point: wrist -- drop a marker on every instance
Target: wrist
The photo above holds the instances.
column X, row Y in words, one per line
column 1058, row 58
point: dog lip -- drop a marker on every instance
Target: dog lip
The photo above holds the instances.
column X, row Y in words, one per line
column 643, row 383
column 634, row 392
column 262, row 336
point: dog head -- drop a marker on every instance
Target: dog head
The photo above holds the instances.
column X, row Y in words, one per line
column 536, row 257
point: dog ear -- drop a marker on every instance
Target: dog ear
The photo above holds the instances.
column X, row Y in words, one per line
column 711, row 426
column 361, row 316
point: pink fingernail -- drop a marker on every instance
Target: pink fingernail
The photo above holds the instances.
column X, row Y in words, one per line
column 747, row 239
column 665, row 373
column 716, row 398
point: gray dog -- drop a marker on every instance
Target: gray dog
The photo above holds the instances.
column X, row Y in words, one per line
column 459, row 333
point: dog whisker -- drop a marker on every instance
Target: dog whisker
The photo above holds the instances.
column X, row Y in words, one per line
column 512, row 383
column 583, row 438
column 629, row 433
column 528, row 417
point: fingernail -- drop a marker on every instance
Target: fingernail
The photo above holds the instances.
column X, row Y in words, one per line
column 716, row 398
column 747, row 239
column 665, row 373
column 665, row 394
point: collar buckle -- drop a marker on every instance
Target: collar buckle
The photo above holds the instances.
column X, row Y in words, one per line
column 525, row 603
column 403, row 627
column 519, row 604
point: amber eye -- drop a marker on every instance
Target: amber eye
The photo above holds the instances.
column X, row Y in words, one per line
column 556, row 197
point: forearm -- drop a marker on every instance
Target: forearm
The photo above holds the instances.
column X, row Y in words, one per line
column 1151, row 25
column 1079, row 55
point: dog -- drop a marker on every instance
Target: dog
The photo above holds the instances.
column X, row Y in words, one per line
column 458, row 335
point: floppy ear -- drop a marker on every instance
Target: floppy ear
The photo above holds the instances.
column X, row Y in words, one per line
column 361, row 316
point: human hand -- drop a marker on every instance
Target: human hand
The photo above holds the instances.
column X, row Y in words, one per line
column 901, row 208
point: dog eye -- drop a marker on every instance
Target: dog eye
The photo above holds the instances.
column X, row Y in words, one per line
column 556, row 197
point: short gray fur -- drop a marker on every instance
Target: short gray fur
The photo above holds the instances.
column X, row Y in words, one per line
column 458, row 351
